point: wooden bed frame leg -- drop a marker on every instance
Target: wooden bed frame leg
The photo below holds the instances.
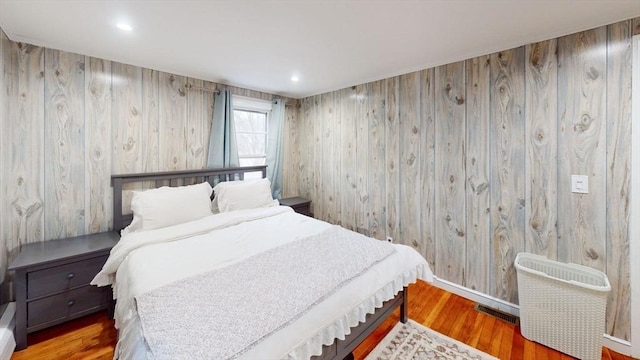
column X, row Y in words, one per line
column 403, row 307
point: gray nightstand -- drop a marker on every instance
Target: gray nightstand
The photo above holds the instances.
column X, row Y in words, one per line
column 52, row 281
column 299, row 205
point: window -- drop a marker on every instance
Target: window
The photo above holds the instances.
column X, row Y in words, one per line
column 251, row 134
column 251, row 118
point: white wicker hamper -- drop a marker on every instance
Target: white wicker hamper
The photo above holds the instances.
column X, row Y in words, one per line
column 562, row 305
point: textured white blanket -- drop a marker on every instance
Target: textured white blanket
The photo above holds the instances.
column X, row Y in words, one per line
column 133, row 241
column 223, row 313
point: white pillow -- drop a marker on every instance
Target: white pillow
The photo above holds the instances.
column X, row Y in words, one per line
column 240, row 195
column 167, row 206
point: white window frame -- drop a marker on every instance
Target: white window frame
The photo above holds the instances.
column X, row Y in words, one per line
column 243, row 103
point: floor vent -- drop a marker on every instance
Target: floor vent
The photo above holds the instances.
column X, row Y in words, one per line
column 511, row 319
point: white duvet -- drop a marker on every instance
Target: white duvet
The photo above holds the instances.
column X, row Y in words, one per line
column 144, row 261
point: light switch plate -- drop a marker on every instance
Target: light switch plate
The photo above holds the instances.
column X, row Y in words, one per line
column 580, row 184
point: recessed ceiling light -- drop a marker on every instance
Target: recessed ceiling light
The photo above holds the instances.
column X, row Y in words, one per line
column 295, row 79
column 124, row 27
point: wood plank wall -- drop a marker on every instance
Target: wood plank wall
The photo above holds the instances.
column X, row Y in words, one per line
column 470, row 162
column 4, row 106
column 69, row 121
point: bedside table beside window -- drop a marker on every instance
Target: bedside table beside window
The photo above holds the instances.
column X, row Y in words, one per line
column 299, row 205
column 52, row 281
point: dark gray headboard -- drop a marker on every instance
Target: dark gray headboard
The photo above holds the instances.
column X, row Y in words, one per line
column 173, row 178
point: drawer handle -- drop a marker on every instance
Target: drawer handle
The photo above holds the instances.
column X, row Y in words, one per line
column 71, row 302
column 71, row 276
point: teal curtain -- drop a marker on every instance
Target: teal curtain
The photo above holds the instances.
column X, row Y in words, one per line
column 275, row 148
column 223, row 148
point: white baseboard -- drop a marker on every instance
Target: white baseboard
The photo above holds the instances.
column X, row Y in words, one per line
column 613, row 343
column 617, row 345
column 7, row 324
column 477, row 296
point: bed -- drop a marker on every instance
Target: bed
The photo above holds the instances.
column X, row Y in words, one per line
column 233, row 269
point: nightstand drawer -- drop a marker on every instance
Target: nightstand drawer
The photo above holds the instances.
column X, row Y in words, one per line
column 66, row 304
column 52, row 280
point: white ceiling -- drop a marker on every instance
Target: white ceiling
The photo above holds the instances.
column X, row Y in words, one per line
column 329, row 44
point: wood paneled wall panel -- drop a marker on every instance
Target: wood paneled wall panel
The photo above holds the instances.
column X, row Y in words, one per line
column 427, row 165
column 304, row 162
column 97, row 122
column 618, row 92
column 317, row 124
column 348, row 164
column 478, row 217
column 450, row 127
column 295, row 171
column 196, row 135
column 249, row 93
column 377, row 159
column 329, row 166
column 150, row 120
column 23, row 171
column 127, row 119
column 5, row 60
column 507, row 190
column 334, row 132
column 392, row 155
column 410, row 160
column 582, row 76
column 291, row 156
column 307, row 159
column 362, row 118
column 542, row 148
column 64, row 139
column 172, row 108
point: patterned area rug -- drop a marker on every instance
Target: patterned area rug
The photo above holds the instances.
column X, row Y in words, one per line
column 413, row 341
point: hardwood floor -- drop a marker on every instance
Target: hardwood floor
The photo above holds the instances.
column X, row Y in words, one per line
column 90, row 337
column 93, row 337
column 456, row 317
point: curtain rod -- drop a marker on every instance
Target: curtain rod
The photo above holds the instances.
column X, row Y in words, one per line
column 188, row 86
